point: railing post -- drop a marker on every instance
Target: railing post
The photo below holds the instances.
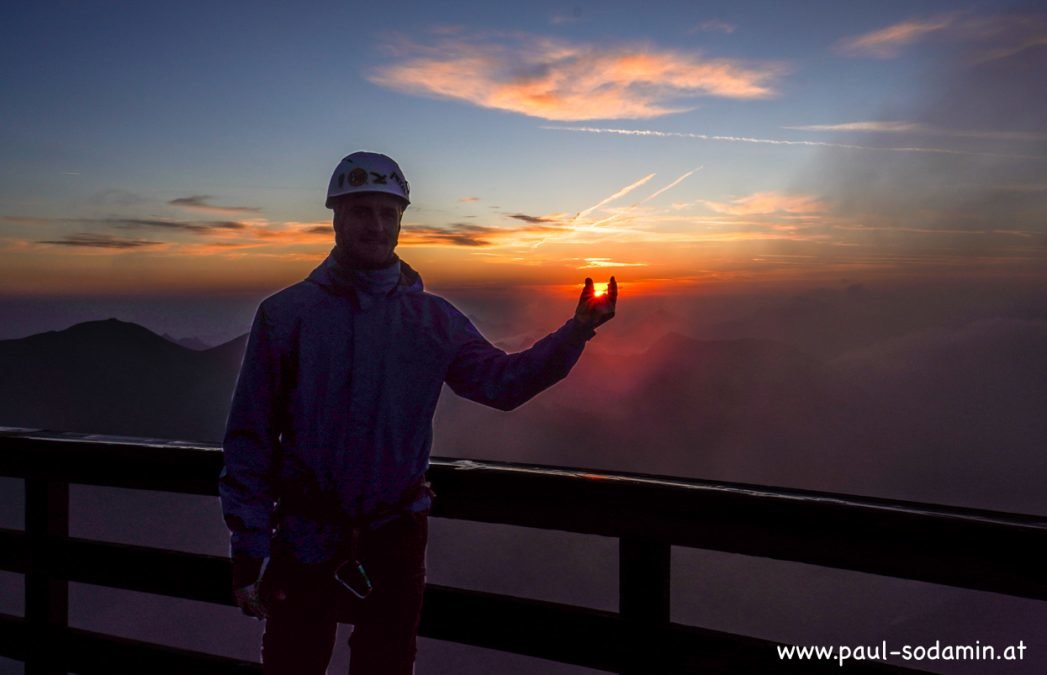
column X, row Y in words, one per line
column 46, row 597
column 643, row 601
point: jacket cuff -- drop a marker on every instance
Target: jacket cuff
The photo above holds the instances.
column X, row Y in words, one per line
column 250, row 544
column 580, row 332
column 245, row 571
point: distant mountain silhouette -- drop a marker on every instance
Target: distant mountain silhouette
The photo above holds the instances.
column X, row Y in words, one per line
column 193, row 343
column 114, row 377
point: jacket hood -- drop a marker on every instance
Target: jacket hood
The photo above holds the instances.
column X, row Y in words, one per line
column 338, row 278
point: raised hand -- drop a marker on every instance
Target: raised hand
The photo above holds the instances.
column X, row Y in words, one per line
column 594, row 310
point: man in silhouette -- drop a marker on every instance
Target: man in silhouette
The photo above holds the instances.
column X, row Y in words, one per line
column 330, row 428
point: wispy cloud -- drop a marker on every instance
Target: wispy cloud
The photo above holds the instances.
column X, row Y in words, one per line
column 456, row 234
column 1037, row 38
column 530, row 219
column 28, row 220
column 200, row 203
column 715, row 26
column 559, row 80
column 607, row 262
column 561, row 18
column 998, row 36
column 762, row 203
column 195, row 227
column 231, row 249
column 882, row 126
column 292, row 232
column 255, row 237
column 888, row 42
column 777, row 141
column 117, row 197
column 87, row 240
column 898, row 127
column 470, row 235
column 469, row 199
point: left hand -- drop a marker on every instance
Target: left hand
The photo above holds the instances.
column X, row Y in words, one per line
column 249, row 600
column 594, row 310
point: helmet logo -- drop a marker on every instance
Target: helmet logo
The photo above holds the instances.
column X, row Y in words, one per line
column 341, row 180
column 401, row 182
column 357, row 177
column 378, row 178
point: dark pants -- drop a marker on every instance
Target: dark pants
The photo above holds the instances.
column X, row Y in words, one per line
column 300, row 631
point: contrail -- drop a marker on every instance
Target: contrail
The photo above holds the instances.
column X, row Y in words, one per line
column 670, row 185
column 621, row 193
column 778, row 141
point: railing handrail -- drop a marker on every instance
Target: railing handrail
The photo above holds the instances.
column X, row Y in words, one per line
column 46, row 441
column 969, row 548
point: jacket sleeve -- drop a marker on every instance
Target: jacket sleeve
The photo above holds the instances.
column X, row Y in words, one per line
column 483, row 373
column 251, row 445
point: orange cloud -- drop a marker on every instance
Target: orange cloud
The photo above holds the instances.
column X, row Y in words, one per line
column 1000, row 36
column 218, row 248
column 762, row 203
column 468, row 234
column 556, row 80
column 870, row 127
column 294, row 232
column 887, row 42
column 607, row 262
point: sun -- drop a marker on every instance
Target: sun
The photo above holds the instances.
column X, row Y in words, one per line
column 599, row 289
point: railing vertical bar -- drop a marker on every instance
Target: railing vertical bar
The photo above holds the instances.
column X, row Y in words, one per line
column 643, row 601
column 46, row 596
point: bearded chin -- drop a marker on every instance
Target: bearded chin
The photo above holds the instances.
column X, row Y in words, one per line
column 345, row 257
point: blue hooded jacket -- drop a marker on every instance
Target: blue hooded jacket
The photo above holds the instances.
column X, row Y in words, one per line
column 336, row 397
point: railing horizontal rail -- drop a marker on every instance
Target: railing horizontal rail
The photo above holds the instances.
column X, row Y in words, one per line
column 968, row 548
column 554, row 631
column 90, row 653
column 697, row 650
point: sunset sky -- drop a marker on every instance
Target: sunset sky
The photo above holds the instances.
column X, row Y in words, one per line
column 173, row 148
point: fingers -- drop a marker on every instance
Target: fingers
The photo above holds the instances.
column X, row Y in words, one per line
column 251, row 604
column 254, row 610
column 589, row 290
column 595, row 310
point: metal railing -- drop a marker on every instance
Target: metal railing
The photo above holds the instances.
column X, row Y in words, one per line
column 967, row 548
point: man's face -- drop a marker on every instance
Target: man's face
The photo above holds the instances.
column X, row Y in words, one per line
column 367, row 227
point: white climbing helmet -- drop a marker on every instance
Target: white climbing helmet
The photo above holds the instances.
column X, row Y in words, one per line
column 367, row 172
